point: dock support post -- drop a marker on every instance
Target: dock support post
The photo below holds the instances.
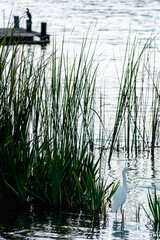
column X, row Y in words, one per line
column 16, row 21
column 44, row 35
column 43, row 29
column 28, row 26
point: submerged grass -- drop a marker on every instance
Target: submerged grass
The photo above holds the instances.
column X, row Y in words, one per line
column 46, row 129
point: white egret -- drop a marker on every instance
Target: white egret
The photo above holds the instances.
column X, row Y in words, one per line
column 119, row 197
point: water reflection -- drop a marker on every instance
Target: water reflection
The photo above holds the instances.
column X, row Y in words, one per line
column 40, row 224
column 119, row 231
column 49, row 225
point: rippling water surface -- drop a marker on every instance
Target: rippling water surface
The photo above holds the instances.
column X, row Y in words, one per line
column 110, row 21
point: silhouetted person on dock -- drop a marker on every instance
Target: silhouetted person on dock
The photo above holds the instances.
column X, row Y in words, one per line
column 29, row 20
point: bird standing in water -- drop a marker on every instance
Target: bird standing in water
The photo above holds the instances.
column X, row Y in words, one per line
column 120, row 195
column 29, row 14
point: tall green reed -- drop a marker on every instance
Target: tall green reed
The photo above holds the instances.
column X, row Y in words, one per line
column 46, row 127
column 154, row 207
column 132, row 125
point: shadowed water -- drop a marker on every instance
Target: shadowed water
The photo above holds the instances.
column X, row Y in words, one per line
column 70, row 226
column 111, row 22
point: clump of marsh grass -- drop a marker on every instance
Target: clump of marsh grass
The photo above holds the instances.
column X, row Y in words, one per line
column 137, row 113
column 46, row 130
column 127, row 99
column 154, row 206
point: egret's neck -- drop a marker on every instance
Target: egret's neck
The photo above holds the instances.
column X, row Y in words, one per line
column 124, row 179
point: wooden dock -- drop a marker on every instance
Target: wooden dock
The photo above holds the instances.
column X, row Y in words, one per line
column 18, row 35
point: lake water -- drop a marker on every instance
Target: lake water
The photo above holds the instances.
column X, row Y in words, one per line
column 110, row 21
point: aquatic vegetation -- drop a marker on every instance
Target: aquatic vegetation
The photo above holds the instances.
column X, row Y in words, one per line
column 138, row 212
column 47, row 126
column 127, row 99
column 47, row 129
column 154, row 206
column 136, row 119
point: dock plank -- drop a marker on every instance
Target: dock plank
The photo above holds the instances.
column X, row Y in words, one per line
column 18, row 32
column 20, row 35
